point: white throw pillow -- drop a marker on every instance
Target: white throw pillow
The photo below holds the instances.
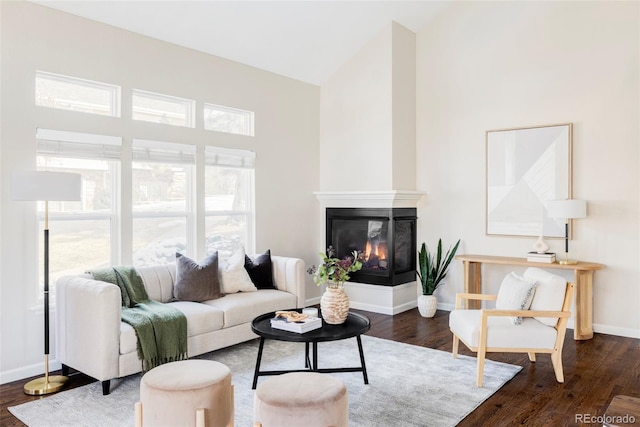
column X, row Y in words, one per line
column 233, row 276
column 516, row 293
column 549, row 295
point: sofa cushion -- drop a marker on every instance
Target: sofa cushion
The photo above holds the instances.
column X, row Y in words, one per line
column 260, row 270
column 158, row 281
column 201, row 319
column 245, row 306
column 233, row 276
column 196, row 281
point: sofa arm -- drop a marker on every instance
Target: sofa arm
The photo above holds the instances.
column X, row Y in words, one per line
column 88, row 326
column 289, row 275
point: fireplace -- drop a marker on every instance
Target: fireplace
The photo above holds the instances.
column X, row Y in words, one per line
column 385, row 238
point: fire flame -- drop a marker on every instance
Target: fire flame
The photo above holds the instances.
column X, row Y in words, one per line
column 380, row 251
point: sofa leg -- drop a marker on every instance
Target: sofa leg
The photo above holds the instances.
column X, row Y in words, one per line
column 106, row 385
column 65, row 370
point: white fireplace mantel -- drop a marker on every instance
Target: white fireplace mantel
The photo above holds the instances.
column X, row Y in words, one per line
column 370, row 199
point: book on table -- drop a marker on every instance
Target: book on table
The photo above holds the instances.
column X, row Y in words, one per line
column 300, row 326
column 548, row 257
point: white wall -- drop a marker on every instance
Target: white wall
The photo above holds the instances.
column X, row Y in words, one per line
column 495, row 65
column 356, row 125
column 39, row 38
column 367, row 117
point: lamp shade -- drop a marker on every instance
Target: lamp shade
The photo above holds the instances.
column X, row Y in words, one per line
column 567, row 209
column 45, row 186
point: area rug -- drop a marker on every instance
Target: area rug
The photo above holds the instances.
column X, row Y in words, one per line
column 408, row 386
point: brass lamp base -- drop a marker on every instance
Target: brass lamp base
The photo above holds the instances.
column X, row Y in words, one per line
column 567, row 262
column 45, row 385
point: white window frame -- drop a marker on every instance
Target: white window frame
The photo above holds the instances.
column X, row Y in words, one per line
column 114, row 91
column 250, row 117
column 75, row 145
column 189, row 106
column 170, row 153
column 231, row 158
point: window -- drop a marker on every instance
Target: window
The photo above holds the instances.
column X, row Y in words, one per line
column 228, row 191
column 162, row 175
column 71, row 93
column 90, row 223
column 229, row 120
column 159, row 108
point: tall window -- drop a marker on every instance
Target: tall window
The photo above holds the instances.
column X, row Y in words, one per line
column 229, row 190
column 71, row 93
column 85, row 233
column 162, row 176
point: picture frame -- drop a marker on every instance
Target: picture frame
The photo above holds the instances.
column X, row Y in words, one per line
column 525, row 168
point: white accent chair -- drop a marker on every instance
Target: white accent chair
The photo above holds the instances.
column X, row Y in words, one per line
column 541, row 329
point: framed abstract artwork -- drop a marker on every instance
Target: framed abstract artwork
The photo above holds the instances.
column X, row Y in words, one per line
column 526, row 167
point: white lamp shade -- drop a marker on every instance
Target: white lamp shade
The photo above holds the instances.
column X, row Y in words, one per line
column 567, row 209
column 45, row 186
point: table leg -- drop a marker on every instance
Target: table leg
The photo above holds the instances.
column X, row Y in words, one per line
column 472, row 282
column 307, row 363
column 364, row 367
column 257, row 371
column 314, row 365
column 583, row 316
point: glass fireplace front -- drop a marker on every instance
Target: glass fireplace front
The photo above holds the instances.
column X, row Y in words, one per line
column 385, row 238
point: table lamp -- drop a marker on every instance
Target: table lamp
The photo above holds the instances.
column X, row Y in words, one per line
column 45, row 186
column 567, row 209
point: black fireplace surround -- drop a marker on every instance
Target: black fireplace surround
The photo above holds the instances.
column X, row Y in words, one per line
column 385, row 238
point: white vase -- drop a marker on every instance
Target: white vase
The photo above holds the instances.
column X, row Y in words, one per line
column 334, row 305
column 540, row 246
column 427, row 305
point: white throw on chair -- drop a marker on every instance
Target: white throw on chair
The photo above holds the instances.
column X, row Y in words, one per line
column 530, row 317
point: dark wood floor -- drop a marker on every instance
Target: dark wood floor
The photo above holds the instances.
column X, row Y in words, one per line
column 595, row 371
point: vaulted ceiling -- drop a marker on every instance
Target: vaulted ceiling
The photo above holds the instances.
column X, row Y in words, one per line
column 304, row 40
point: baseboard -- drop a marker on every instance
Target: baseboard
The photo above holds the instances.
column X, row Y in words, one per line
column 28, row 371
column 383, row 309
column 614, row 330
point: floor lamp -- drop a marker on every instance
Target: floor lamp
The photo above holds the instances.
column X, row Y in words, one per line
column 46, row 187
column 567, row 209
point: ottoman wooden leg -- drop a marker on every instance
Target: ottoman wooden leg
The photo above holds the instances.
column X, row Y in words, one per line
column 138, row 414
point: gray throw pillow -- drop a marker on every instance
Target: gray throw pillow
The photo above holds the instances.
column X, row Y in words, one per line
column 196, row 281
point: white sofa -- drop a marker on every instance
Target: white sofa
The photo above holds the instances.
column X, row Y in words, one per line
column 92, row 339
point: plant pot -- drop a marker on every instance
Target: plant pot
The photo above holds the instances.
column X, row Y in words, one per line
column 427, row 305
column 334, row 305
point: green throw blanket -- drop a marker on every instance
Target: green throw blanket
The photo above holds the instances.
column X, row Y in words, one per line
column 160, row 328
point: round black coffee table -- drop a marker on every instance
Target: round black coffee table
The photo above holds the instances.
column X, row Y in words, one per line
column 354, row 326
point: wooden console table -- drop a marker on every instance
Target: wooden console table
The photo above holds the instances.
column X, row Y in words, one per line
column 583, row 272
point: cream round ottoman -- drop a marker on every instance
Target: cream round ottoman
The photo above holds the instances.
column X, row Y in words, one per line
column 186, row 393
column 305, row 399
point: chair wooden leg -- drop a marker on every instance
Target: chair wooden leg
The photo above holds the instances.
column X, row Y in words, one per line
column 556, row 360
column 456, row 342
column 480, row 372
column 200, row 421
column 138, row 414
column 532, row 356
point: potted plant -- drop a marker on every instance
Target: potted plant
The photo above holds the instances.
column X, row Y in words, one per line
column 432, row 269
column 334, row 304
